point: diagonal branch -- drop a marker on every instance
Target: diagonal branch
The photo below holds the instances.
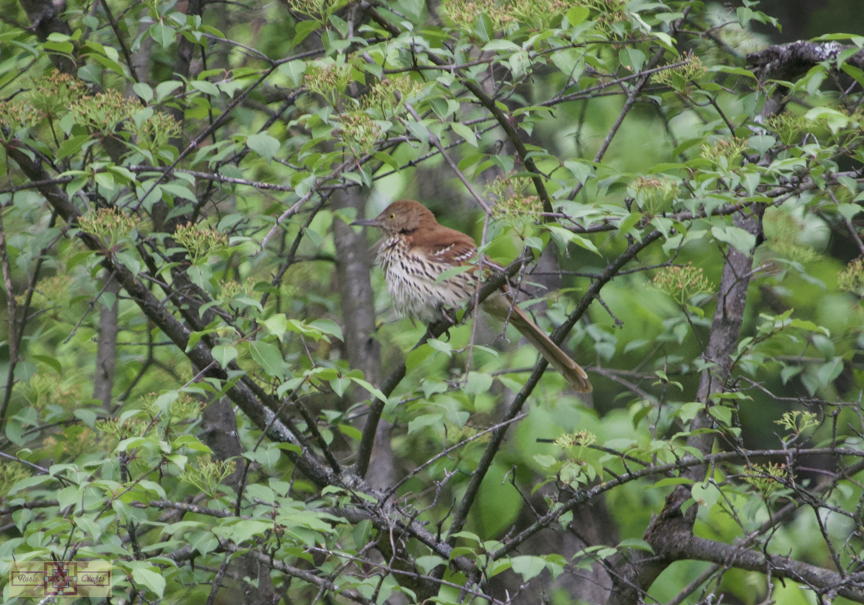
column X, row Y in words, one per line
column 505, row 121
column 244, row 393
column 632, row 96
column 701, row 549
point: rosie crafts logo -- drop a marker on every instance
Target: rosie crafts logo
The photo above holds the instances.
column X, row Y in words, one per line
column 60, row 579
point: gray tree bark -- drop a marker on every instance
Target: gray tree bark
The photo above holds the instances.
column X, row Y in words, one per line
column 639, row 569
column 357, row 301
column 44, row 16
column 106, row 351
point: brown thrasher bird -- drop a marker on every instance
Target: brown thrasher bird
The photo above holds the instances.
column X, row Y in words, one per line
column 417, row 249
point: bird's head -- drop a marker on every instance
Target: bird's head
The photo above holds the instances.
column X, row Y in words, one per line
column 404, row 216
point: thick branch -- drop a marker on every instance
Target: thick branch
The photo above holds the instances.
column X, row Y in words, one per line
column 789, row 61
column 364, row 351
column 821, row 580
column 106, row 350
column 44, row 16
column 241, row 393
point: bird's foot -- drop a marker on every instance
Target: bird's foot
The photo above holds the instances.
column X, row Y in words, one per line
column 449, row 316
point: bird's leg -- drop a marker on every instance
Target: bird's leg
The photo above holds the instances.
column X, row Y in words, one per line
column 449, row 315
column 446, row 319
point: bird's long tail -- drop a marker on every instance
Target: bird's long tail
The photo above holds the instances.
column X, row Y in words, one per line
column 500, row 307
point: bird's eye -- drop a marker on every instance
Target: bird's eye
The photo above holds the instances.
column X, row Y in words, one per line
column 392, row 216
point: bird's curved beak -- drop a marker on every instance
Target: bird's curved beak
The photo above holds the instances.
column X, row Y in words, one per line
column 366, row 222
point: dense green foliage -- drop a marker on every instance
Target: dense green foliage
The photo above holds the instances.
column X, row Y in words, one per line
column 202, row 379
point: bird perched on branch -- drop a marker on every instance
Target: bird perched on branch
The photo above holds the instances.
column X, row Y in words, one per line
column 417, row 250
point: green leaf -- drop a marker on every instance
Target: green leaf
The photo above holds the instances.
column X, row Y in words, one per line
column 388, row 159
column 294, row 71
column 478, row 383
column 90, row 526
column 835, row 119
column 328, row 326
column 127, row 260
column 276, row 324
column 629, row 222
column 90, row 73
column 268, row 357
column 200, row 275
column 194, row 337
column 106, row 62
column 208, row 88
column 742, row 240
column 424, row 421
column 87, row 416
column 448, row 273
column 577, row 15
column 150, row 579
column 192, row 442
column 829, row 371
column 165, row 399
column 688, row 411
column 520, row 63
column 143, row 90
column 176, row 190
column 427, row 563
column 824, row 344
column 721, row 413
column 564, row 236
column 72, row 145
column 738, row 71
column 203, row 541
column 104, row 179
column 224, row 355
column 761, row 144
column 418, row 356
column 49, row 361
column 484, row 28
column 339, row 385
column 263, row 144
column 69, row 496
column 580, row 169
column 162, row 34
column 65, row 48
column 465, row 132
column 413, row 8
column 440, row 346
column 635, row 543
column 632, row 57
column 350, row 432
column 705, row 494
column 790, row 371
column 166, row 88
column 502, row 44
column 372, row 390
column 303, row 29
column 569, row 62
column 545, row 460
column 528, row 566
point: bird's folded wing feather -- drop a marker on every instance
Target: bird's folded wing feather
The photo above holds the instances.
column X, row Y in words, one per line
column 456, row 249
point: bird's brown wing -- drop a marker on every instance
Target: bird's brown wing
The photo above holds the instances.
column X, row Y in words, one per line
column 448, row 246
